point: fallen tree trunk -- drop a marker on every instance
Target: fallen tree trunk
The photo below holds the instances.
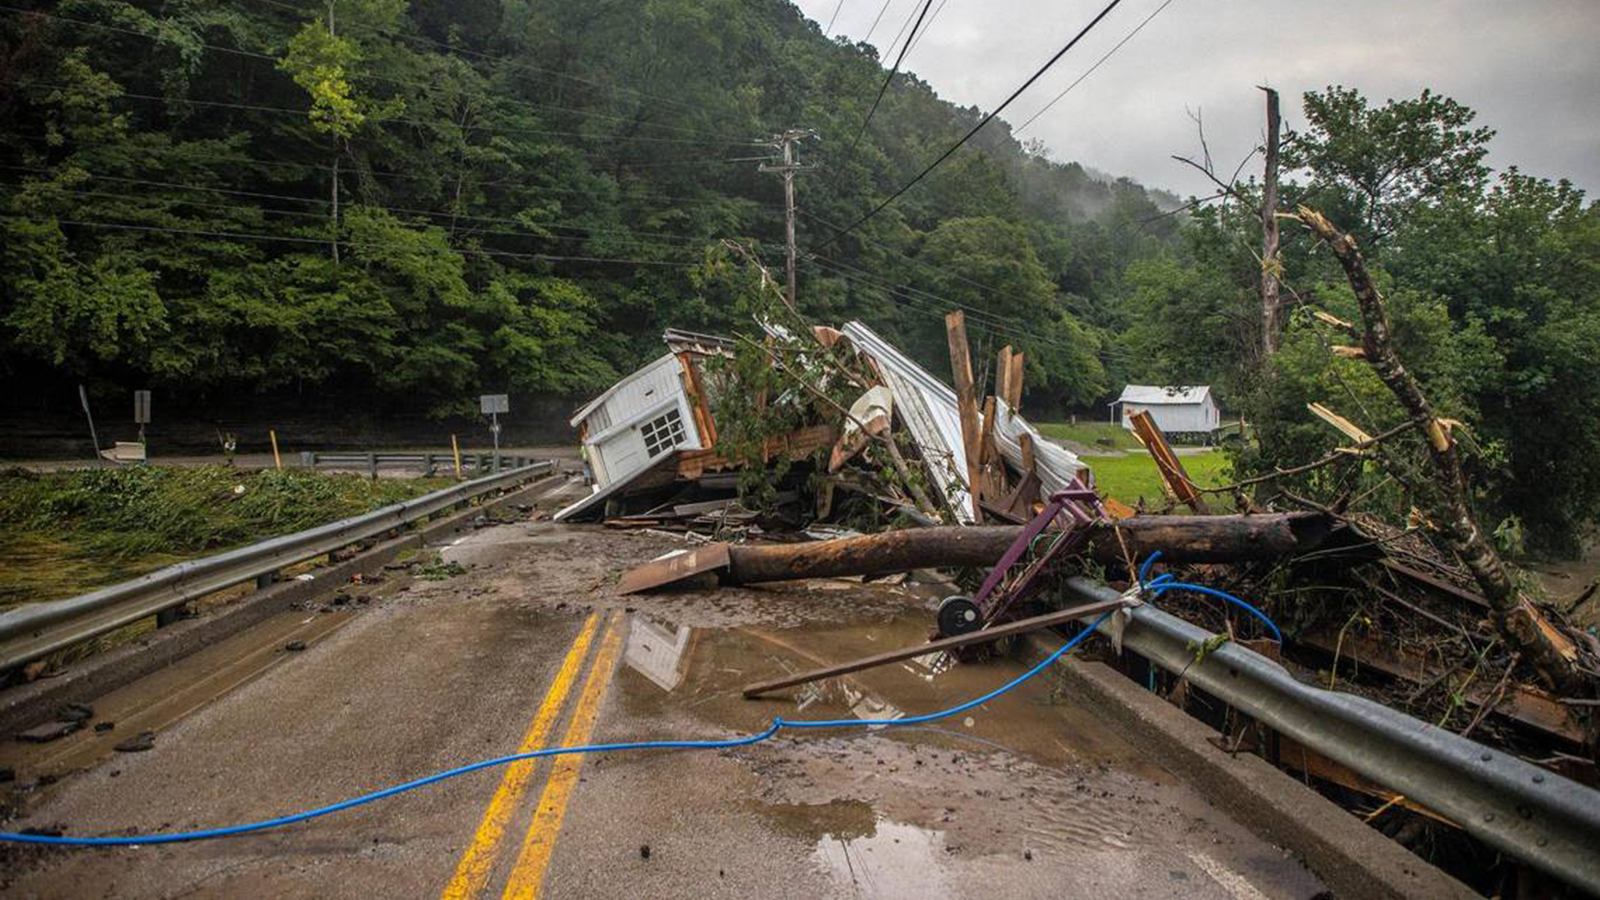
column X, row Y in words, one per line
column 1192, row 539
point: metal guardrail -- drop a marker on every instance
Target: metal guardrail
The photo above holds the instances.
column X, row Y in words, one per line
column 1548, row 821
column 429, row 463
column 37, row 629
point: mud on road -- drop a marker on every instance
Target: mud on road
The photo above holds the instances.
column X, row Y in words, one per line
column 1027, row 795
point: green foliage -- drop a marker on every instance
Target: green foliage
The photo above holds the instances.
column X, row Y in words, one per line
column 526, row 196
column 75, row 530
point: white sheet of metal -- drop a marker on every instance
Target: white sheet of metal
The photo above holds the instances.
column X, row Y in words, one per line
column 929, row 409
column 1055, row 464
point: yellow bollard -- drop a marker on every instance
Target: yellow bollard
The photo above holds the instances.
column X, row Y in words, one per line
column 277, row 461
column 456, row 449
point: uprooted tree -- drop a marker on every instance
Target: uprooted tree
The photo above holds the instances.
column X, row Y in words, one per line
column 1443, row 498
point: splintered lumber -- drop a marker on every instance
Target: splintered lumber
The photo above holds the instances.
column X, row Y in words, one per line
column 1021, row 626
column 1167, row 463
column 966, row 401
column 1215, row 539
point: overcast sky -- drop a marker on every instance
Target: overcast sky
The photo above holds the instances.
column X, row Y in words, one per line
column 1531, row 69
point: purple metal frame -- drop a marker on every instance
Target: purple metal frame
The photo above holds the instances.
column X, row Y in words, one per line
column 1077, row 507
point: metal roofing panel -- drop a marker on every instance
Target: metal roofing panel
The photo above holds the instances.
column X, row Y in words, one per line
column 929, row 408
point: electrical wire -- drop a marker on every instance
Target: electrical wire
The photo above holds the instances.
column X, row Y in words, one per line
column 832, row 19
column 1090, row 71
column 236, row 235
column 778, row 723
column 894, row 70
column 881, row 10
column 976, row 128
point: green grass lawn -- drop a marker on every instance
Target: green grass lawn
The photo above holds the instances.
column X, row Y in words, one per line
column 63, row 533
column 1090, row 433
column 1127, row 478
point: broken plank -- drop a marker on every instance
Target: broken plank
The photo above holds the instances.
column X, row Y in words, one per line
column 1021, row 626
column 966, row 401
column 1167, row 463
column 673, row 567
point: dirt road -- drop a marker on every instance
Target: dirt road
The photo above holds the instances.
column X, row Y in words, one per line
column 1025, row 796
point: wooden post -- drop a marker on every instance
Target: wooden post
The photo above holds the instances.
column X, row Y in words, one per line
column 1269, row 233
column 277, row 461
column 1002, row 374
column 955, row 325
column 1013, row 395
column 455, row 449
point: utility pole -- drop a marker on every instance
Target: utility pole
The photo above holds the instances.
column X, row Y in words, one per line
column 334, row 243
column 1271, row 267
column 786, row 142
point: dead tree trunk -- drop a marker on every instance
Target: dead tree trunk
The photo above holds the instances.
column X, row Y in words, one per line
column 1270, row 267
column 1180, row 538
column 1443, row 500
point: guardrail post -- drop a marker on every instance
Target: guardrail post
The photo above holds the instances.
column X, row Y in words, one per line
column 267, row 579
column 372, row 465
column 308, row 458
column 168, row 616
column 427, row 465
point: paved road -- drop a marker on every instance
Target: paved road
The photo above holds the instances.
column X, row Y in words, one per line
column 1025, row 796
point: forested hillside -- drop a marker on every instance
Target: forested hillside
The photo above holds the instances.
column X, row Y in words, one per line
column 426, row 199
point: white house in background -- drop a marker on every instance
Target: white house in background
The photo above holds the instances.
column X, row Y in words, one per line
column 1176, row 410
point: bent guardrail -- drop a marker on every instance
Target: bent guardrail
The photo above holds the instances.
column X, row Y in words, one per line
column 38, row 629
column 1548, row 821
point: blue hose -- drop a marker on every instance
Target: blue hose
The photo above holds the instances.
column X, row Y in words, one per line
column 778, row 723
column 1167, row 582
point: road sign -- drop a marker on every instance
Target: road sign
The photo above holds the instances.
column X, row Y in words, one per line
column 494, row 403
column 141, row 407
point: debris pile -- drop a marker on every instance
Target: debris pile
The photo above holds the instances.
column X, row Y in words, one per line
column 838, row 426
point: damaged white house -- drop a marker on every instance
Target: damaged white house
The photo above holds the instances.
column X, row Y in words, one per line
column 654, row 429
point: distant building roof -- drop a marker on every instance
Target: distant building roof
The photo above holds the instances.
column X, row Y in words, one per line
column 1150, row 394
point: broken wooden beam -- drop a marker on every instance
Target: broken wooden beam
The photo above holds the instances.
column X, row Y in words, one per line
column 1021, row 626
column 1168, row 465
column 966, row 401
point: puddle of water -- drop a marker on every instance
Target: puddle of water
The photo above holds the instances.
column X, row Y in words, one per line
column 894, row 860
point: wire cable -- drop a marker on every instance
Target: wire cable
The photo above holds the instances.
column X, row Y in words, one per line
column 888, row 78
column 1090, row 71
column 976, row 128
column 778, row 723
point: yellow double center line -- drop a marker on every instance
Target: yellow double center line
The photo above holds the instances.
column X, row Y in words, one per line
column 473, row 871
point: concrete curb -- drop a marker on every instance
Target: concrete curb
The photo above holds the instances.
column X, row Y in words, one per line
column 1350, row 858
column 31, row 704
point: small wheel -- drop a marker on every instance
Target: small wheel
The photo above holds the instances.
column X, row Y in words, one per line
column 959, row 615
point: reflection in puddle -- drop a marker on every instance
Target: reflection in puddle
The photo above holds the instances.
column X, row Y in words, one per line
column 657, row 651
column 892, row 860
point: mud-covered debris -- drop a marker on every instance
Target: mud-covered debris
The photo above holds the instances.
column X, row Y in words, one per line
column 644, row 851
column 74, row 712
column 49, row 731
column 103, row 727
column 295, row 646
column 139, row 743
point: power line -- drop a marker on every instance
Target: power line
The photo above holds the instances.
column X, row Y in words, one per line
column 323, row 242
column 890, row 77
column 931, row 19
column 403, row 176
column 653, row 240
column 1090, row 71
column 286, row 110
column 976, row 128
column 833, row 18
column 881, row 10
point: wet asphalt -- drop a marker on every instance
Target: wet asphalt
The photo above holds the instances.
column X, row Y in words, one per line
column 1026, row 796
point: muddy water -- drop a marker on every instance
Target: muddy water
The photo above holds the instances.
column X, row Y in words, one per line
column 907, row 811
